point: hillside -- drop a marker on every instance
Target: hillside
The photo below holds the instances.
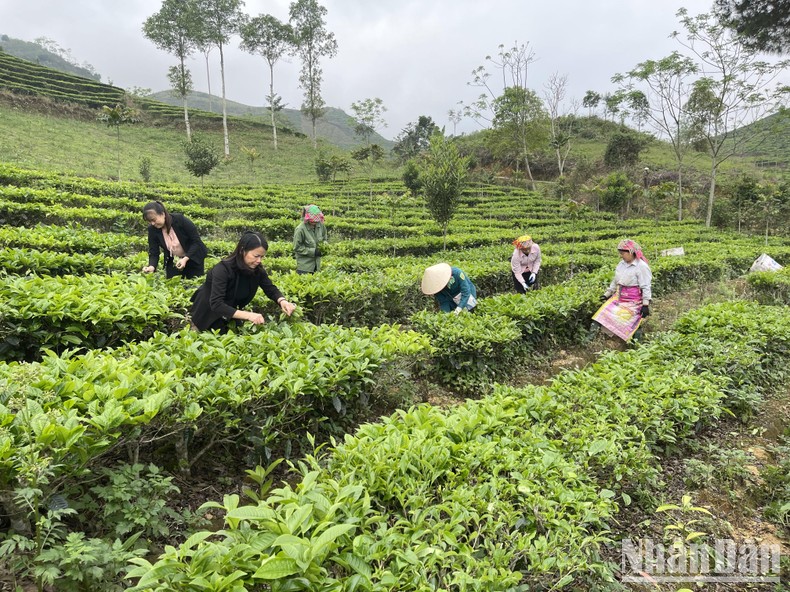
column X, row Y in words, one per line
column 33, row 52
column 336, row 127
column 18, row 73
column 773, row 149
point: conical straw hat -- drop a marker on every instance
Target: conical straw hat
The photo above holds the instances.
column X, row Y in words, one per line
column 435, row 278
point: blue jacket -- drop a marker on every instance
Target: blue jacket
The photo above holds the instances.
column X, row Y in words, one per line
column 459, row 284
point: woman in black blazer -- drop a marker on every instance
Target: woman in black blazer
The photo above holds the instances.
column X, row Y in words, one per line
column 176, row 235
column 231, row 285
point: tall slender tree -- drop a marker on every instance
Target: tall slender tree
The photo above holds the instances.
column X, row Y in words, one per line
column 369, row 115
column 204, row 46
column 443, row 175
column 312, row 42
column 513, row 65
column 272, row 39
column 173, row 30
column 116, row 117
column 735, row 89
column 520, row 116
column 560, row 120
column 666, row 84
column 221, row 19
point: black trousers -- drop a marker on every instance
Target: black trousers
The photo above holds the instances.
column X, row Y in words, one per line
column 517, row 284
column 191, row 269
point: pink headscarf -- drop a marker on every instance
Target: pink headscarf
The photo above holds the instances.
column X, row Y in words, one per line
column 313, row 214
column 633, row 248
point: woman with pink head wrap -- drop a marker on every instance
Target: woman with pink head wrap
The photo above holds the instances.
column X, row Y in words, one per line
column 308, row 238
column 627, row 300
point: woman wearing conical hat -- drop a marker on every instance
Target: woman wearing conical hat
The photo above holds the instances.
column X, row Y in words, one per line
column 451, row 288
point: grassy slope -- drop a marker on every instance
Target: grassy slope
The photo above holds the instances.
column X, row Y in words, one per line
column 659, row 155
column 89, row 148
column 336, row 127
column 33, row 52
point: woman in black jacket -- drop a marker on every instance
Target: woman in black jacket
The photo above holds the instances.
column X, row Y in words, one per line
column 232, row 283
column 176, row 235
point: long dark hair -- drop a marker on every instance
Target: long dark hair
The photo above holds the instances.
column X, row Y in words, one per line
column 159, row 208
column 248, row 241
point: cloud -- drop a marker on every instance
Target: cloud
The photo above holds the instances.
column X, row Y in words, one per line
column 416, row 55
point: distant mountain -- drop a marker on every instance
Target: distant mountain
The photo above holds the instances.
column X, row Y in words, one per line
column 336, row 126
column 33, row 52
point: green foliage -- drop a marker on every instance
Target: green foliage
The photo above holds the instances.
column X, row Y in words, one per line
column 88, row 312
column 415, row 139
column 134, row 501
column 726, row 468
column 327, row 168
column 516, row 489
column 145, row 169
column 771, row 287
column 471, row 350
column 615, row 191
column 685, row 521
column 623, row 149
column 251, row 154
column 411, row 177
column 202, row 158
column 481, row 492
column 81, row 564
column 312, row 42
column 775, row 490
column 369, row 115
column 443, row 177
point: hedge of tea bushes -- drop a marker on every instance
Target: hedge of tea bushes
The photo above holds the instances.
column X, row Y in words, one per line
column 771, row 287
column 471, row 353
column 26, row 262
column 516, row 489
column 172, row 398
column 71, row 239
column 90, row 311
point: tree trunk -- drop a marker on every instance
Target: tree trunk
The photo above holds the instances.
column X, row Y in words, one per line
column 767, row 222
column 182, row 453
column 224, row 102
column 529, row 171
column 680, row 193
column 711, row 195
column 208, row 81
column 184, row 99
column 271, row 103
column 186, row 120
column 118, row 128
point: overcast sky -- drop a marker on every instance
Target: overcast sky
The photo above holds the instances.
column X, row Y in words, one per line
column 416, row 55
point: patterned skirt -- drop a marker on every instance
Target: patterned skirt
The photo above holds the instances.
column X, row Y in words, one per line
column 621, row 314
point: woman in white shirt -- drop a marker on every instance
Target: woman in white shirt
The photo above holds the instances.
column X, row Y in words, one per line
column 627, row 300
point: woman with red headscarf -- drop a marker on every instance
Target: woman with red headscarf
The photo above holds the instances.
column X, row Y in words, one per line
column 308, row 237
column 627, row 300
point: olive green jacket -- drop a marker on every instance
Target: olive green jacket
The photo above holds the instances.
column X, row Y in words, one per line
column 306, row 239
